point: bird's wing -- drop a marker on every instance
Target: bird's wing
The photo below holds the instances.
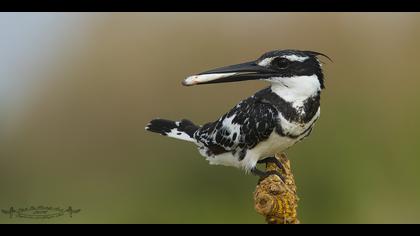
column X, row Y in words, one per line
column 243, row 127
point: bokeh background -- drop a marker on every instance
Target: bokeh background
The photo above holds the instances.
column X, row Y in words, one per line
column 77, row 89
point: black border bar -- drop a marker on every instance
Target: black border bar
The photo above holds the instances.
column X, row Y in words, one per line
column 212, row 5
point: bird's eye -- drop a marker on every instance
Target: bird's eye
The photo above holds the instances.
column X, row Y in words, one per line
column 281, row 62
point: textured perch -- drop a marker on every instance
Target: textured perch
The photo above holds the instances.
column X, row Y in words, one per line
column 276, row 200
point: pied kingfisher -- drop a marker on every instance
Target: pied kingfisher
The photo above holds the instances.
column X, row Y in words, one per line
column 269, row 122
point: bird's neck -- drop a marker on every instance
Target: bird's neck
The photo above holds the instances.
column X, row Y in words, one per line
column 296, row 90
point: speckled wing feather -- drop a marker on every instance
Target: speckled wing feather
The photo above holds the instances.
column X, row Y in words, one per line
column 242, row 128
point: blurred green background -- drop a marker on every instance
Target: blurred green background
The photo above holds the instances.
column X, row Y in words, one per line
column 77, row 89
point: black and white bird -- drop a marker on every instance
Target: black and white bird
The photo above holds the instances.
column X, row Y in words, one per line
column 269, row 122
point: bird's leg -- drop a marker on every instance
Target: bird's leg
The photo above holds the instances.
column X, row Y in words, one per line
column 265, row 174
column 273, row 160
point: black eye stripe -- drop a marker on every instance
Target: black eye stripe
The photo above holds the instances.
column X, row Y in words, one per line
column 281, row 62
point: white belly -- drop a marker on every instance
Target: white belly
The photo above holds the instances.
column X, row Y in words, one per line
column 274, row 144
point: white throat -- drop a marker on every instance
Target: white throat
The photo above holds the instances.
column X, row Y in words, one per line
column 295, row 89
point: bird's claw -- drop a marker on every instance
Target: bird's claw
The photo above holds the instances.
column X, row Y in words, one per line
column 263, row 175
column 273, row 160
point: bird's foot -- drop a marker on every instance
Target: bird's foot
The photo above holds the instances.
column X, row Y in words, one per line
column 265, row 174
column 273, row 160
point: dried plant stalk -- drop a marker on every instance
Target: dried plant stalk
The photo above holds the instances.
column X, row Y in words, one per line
column 277, row 200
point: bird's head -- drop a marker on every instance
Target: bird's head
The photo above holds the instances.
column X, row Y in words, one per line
column 285, row 67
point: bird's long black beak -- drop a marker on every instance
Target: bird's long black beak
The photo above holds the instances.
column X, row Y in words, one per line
column 234, row 73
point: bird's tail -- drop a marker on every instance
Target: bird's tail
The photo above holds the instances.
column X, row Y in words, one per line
column 183, row 129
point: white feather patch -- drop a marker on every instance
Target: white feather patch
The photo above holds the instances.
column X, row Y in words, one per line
column 233, row 128
column 266, row 61
column 295, row 89
column 295, row 58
